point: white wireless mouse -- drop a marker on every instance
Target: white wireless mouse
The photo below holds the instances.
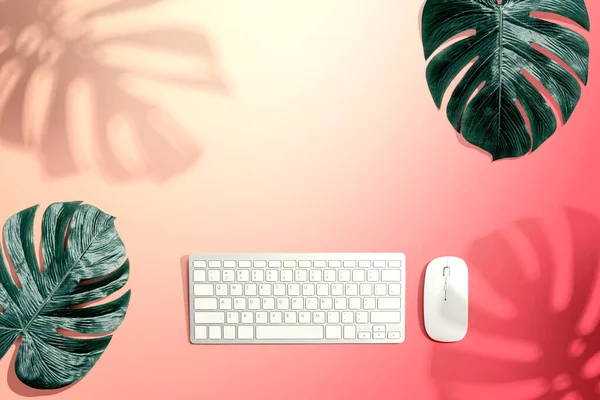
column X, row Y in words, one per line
column 446, row 299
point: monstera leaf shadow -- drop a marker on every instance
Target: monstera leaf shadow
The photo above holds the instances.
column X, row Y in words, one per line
column 61, row 99
column 521, row 343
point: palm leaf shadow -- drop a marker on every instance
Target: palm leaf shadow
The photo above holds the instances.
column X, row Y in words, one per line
column 32, row 44
column 566, row 358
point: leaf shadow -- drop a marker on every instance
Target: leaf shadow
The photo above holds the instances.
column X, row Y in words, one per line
column 66, row 91
column 521, row 344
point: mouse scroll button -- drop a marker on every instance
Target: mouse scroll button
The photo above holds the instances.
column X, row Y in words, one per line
column 446, row 272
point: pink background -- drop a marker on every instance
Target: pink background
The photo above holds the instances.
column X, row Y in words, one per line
column 312, row 130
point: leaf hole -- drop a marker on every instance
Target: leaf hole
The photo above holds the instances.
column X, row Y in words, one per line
column 559, row 20
column 454, row 39
column 545, row 94
column 556, row 59
column 78, row 335
column 525, row 119
column 475, row 93
column 452, row 86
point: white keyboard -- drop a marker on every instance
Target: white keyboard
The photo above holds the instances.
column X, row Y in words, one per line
column 297, row 298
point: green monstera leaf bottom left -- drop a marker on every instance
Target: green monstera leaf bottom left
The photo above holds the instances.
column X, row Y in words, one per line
column 83, row 261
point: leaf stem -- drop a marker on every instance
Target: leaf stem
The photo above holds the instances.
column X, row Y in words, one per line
column 500, row 51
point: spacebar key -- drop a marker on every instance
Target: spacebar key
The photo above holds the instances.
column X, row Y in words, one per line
column 289, row 332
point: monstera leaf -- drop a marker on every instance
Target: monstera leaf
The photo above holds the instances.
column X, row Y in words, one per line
column 510, row 53
column 82, row 262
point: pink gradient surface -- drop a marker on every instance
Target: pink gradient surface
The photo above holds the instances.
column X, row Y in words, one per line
column 327, row 139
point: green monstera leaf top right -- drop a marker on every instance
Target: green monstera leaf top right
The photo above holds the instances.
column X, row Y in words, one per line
column 512, row 40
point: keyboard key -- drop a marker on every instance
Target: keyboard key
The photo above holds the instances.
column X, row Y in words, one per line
column 261, row 317
column 200, row 332
column 388, row 303
column 358, row 275
column 394, row 289
column 364, row 264
column 326, row 303
column 333, row 317
column 390, row 275
column 379, row 335
column 214, row 264
column 247, row 317
column 306, row 264
column 319, row 264
column 250, row 289
column 340, row 303
column 245, row 332
column 233, row 317
column 283, row 304
column 289, row 264
column 273, row 276
column 293, row 289
column 221, row 290
column 228, row 276
column 395, row 264
column 322, row 289
column 333, row 332
column 304, row 317
column 254, row 303
column 335, row 264
column 318, row 317
column 373, row 275
column 214, row 275
column 300, row 275
column 214, row 332
column 379, row 264
column 349, row 332
column 380, row 289
column 229, row 264
column 258, row 275
column 279, row 289
column 264, row 289
column 304, row 332
column 200, row 275
column 347, row 317
column 329, row 275
column 351, row 289
column 209, row 317
column 344, row 275
column 369, row 303
column 297, row 303
column 203, row 290
column 308, row 289
column 393, row 335
column 315, row 275
column 225, row 304
column 205, row 303
column 362, row 317
column 268, row 303
column 349, row 264
column 378, row 328
column 364, row 335
column 354, row 303
column 243, row 275
column 235, row 289
column 311, row 303
column 337, row 289
column 274, row 264
column 366, row 289
column 286, row 276
column 383, row 317
column 290, row 317
column 260, row 264
column 199, row 264
column 244, row 264
column 275, row 317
